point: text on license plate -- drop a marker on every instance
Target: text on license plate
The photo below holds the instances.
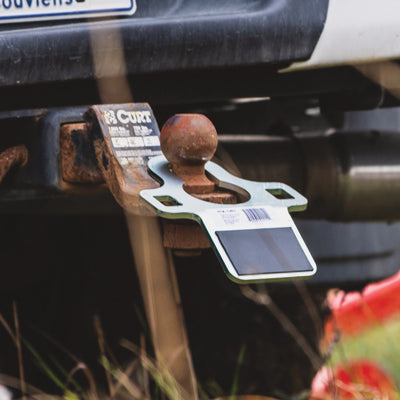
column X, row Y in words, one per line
column 34, row 10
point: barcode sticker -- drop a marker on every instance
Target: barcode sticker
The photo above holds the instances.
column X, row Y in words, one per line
column 244, row 217
column 256, row 214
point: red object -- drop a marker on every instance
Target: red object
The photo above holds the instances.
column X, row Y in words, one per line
column 353, row 312
column 355, row 380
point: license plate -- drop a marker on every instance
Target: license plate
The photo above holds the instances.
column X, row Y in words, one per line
column 37, row 10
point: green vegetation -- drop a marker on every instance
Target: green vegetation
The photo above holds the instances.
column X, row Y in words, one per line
column 379, row 344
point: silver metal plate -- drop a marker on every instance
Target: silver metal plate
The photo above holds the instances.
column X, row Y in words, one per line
column 256, row 240
column 37, row 10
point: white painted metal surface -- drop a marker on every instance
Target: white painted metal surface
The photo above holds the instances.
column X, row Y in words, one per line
column 356, row 32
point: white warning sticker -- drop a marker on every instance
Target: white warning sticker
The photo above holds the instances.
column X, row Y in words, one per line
column 151, row 141
column 132, row 131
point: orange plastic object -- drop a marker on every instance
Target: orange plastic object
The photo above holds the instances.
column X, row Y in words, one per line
column 353, row 312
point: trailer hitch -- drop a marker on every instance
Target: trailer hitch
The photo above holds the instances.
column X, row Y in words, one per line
column 248, row 223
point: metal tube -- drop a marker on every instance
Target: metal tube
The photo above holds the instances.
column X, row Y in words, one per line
column 348, row 176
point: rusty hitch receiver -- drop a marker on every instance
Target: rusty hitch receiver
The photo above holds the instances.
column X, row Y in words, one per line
column 256, row 238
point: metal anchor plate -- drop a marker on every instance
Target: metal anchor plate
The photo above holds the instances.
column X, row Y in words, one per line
column 256, row 240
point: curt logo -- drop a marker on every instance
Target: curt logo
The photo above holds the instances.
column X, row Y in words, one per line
column 135, row 117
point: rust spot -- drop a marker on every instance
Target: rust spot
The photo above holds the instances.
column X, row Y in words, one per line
column 12, row 157
column 78, row 159
column 184, row 235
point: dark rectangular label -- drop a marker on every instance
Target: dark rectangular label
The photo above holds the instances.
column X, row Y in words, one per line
column 264, row 251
